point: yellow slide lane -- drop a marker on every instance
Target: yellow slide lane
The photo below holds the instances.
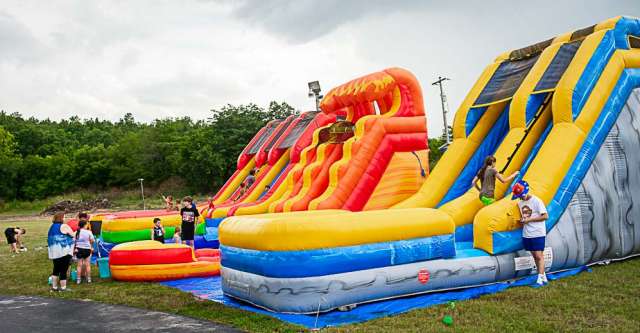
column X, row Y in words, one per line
column 464, row 208
column 564, row 141
column 259, row 188
column 235, row 183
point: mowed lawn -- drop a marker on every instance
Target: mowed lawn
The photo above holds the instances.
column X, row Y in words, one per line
column 607, row 299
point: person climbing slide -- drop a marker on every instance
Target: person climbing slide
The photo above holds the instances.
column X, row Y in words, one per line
column 487, row 178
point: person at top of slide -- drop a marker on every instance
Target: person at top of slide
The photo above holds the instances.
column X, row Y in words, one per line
column 487, row 178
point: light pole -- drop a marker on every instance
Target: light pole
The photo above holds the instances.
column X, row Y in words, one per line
column 443, row 100
column 314, row 91
column 141, row 180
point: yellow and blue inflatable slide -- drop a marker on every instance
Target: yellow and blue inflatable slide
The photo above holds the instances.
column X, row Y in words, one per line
column 565, row 112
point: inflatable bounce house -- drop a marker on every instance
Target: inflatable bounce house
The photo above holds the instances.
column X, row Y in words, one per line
column 563, row 111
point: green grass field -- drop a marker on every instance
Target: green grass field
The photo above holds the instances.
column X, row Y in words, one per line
column 607, row 299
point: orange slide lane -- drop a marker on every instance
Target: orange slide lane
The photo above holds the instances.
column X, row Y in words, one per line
column 383, row 138
column 319, row 177
column 296, row 183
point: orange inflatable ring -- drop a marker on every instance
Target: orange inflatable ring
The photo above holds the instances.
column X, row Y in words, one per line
column 211, row 259
column 150, row 253
column 163, row 272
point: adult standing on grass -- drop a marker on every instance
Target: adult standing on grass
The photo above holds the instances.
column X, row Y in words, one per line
column 84, row 248
column 60, row 242
column 189, row 214
column 534, row 230
column 14, row 238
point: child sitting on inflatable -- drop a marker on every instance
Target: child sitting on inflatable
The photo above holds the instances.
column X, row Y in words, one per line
column 534, row 214
column 176, row 236
column 487, row 177
column 157, row 233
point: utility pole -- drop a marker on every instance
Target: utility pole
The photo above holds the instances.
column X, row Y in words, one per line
column 443, row 100
column 144, row 207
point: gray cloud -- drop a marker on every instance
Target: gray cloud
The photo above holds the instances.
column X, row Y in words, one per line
column 159, row 59
column 300, row 21
column 17, row 42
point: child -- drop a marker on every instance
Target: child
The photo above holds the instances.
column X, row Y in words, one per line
column 84, row 248
column 239, row 193
column 534, row 214
column 251, row 178
column 168, row 202
column 14, row 238
column 189, row 214
column 176, row 236
column 487, row 177
column 157, row 233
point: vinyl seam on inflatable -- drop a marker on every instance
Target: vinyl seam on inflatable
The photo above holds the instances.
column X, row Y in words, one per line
column 294, row 264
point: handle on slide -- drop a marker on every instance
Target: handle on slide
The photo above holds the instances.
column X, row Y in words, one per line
column 422, row 172
column 528, row 130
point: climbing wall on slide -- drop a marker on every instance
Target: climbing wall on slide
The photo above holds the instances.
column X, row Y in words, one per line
column 602, row 220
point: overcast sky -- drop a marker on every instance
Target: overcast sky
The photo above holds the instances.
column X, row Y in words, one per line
column 160, row 59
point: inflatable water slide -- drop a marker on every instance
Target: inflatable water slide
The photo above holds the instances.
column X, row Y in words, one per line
column 564, row 112
column 372, row 156
column 275, row 159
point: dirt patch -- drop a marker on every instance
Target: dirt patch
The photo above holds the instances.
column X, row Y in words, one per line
column 73, row 206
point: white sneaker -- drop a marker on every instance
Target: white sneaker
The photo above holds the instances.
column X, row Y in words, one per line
column 540, row 281
column 544, row 278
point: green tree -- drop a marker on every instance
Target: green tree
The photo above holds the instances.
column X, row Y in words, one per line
column 44, row 157
column 7, row 143
column 9, row 166
column 435, row 151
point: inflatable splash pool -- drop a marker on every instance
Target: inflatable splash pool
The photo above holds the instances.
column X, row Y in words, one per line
column 153, row 261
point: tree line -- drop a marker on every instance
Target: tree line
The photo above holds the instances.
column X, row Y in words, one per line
column 40, row 158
